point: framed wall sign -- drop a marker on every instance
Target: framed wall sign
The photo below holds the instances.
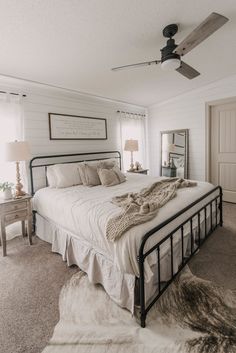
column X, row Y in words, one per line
column 73, row 127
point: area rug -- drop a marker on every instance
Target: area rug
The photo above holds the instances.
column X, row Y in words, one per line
column 192, row 316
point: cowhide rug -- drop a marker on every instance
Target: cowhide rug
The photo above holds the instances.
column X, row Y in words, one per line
column 193, row 316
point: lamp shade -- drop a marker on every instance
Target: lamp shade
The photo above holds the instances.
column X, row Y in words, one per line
column 17, row 151
column 131, row 145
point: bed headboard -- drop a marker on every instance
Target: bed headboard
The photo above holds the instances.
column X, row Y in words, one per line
column 38, row 165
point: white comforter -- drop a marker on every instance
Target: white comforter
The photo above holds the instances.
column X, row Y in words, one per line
column 84, row 211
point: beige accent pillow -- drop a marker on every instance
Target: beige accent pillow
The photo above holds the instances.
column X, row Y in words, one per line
column 103, row 163
column 108, row 177
column 108, row 163
column 119, row 173
column 88, row 174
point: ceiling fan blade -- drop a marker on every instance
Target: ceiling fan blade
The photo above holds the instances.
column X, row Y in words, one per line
column 199, row 34
column 187, row 71
column 146, row 63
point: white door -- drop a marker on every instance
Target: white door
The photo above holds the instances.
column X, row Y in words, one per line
column 223, row 149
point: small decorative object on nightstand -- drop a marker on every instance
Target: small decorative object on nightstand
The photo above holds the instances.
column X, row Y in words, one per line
column 5, row 187
column 15, row 210
column 138, row 171
column 137, row 166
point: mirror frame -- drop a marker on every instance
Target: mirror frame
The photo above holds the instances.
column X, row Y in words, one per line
column 186, row 166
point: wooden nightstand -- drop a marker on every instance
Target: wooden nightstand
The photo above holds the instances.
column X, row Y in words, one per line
column 15, row 210
column 140, row 171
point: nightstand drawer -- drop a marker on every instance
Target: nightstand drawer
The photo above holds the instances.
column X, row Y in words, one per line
column 15, row 216
column 15, row 206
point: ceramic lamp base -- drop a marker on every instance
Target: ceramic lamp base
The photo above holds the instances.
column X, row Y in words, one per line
column 18, row 188
column 19, row 192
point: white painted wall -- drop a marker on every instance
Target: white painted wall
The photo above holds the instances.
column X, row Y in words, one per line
column 42, row 100
column 37, row 105
column 186, row 112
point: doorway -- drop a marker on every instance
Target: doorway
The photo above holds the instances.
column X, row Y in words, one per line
column 222, row 148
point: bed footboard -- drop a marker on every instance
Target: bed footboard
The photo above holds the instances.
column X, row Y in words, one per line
column 196, row 240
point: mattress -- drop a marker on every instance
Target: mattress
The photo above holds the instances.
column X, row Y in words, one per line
column 85, row 211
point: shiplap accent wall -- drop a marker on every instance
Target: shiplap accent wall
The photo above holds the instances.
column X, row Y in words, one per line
column 36, row 129
column 187, row 111
column 40, row 102
column 42, row 99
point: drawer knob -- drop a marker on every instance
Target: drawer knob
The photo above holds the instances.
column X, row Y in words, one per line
column 16, row 216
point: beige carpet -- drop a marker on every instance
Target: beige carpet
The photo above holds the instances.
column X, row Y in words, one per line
column 31, row 279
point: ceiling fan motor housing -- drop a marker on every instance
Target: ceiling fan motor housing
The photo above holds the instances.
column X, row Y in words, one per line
column 168, row 51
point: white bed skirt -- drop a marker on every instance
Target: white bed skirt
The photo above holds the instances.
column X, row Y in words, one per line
column 119, row 286
column 101, row 270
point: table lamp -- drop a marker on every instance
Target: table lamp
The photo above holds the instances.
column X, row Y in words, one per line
column 15, row 152
column 131, row 146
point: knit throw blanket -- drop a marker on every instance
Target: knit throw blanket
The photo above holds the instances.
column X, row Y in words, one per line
column 142, row 206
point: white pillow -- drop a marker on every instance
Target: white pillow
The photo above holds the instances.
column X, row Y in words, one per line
column 67, row 175
column 51, row 177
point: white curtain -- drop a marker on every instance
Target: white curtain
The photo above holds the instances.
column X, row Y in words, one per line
column 11, row 122
column 11, row 129
column 133, row 126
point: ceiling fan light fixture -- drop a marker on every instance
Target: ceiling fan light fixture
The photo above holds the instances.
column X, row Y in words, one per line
column 171, row 64
column 171, row 52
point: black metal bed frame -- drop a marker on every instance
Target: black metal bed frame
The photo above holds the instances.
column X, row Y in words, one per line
column 162, row 286
column 194, row 247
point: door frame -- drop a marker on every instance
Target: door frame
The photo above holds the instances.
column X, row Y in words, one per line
column 208, row 107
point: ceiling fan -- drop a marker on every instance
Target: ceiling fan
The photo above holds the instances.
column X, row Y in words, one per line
column 171, row 54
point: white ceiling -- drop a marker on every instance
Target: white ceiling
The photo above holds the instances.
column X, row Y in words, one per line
column 75, row 43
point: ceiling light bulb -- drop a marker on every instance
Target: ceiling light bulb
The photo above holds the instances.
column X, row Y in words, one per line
column 170, row 64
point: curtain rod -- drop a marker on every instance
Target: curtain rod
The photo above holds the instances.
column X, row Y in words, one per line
column 14, row 94
column 121, row 111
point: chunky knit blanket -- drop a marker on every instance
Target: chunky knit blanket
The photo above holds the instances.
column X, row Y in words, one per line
column 142, row 206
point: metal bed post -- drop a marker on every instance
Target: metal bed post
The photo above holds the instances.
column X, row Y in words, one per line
column 221, row 206
column 142, row 288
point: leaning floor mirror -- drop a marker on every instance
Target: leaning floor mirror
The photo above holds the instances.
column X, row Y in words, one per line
column 174, row 153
